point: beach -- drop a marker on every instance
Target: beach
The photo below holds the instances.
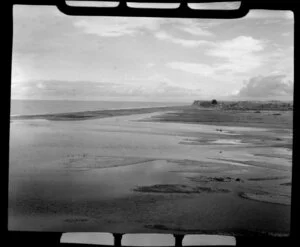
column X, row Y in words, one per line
column 153, row 170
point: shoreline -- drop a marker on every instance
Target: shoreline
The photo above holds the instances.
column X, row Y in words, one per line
column 40, row 114
column 186, row 114
column 85, row 115
column 146, row 175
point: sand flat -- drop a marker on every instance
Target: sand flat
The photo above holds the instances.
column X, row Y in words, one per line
column 92, row 169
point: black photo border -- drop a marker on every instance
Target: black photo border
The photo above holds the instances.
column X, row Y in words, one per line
column 15, row 238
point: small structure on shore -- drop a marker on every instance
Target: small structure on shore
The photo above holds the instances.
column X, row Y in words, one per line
column 206, row 103
column 214, row 102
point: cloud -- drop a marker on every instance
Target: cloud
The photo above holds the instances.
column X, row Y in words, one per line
column 161, row 35
column 286, row 34
column 173, row 91
column 194, row 30
column 281, row 61
column 267, row 86
column 117, row 26
column 239, row 45
column 240, row 53
column 150, row 65
column 159, row 90
column 189, row 26
column 270, row 14
column 196, row 68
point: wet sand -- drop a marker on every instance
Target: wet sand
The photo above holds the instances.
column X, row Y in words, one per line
column 132, row 174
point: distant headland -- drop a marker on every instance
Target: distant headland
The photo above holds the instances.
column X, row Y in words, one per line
column 245, row 105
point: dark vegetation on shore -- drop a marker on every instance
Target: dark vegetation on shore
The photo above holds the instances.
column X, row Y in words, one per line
column 273, row 114
column 246, row 105
column 243, row 118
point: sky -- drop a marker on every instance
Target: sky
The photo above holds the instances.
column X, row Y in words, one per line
column 60, row 57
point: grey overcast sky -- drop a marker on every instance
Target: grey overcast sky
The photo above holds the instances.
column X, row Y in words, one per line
column 151, row 59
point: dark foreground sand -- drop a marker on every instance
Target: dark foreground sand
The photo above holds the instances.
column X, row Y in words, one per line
column 147, row 173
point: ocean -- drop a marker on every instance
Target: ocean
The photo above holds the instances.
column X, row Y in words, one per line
column 32, row 107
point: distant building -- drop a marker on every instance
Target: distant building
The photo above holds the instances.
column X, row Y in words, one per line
column 214, row 102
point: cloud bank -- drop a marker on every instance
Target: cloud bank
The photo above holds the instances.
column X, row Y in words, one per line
column 266, row 87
